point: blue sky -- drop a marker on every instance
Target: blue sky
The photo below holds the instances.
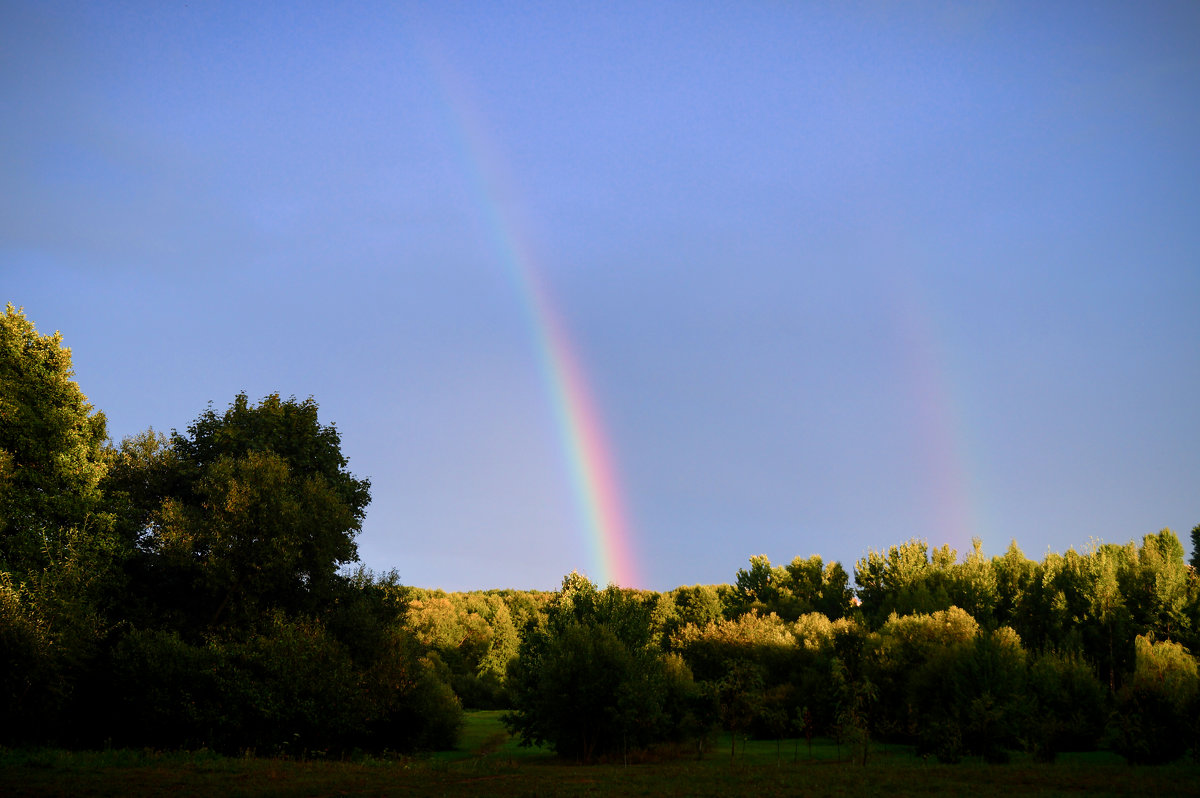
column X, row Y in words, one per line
column 838, row 274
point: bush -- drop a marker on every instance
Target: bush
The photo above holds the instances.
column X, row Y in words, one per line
column 425, row 715
column 291, row 689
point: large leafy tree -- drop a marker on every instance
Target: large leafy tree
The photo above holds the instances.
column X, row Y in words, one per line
column 259, row 512
column 51, row 439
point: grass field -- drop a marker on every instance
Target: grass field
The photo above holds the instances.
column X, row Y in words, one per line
column 490, row 763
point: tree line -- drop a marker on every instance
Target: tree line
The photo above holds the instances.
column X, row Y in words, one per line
column 201, row 589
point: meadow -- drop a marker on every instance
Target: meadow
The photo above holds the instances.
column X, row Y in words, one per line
column 489, row 762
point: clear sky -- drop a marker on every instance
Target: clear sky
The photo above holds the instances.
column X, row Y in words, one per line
column 831, row 275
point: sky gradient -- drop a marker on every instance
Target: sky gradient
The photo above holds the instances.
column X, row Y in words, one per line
column 813, row 278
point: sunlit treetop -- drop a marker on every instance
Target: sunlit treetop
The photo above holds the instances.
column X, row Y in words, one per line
column 51, row 439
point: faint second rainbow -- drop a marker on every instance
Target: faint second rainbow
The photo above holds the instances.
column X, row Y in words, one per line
column 584, row 443
column 944, row 454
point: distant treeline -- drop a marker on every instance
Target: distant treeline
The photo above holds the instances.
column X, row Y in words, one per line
column 196, row 590
column 978, row 656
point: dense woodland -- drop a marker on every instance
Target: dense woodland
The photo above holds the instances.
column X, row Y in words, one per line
column 201, row 590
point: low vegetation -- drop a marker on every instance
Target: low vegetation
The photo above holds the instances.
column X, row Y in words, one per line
column 482, row 764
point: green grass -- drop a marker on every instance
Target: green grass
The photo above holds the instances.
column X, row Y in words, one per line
column 488, row 762
column 483, row 737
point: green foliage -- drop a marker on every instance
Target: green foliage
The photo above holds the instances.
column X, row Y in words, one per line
column 1154, row 583
column 897, row 652
column 803, row 586
column 286, row 689
column 899, row 581
column 28, row 670
column 1067, row 706
column 761, row 583
column 973, row 585
column 698, row 605
column 290, row 688
column 765, row 640
column 51, row 458
column 474, row 635
column 589, row 683
column 429, row 717
column 923, row 632
column 814, row 631
column 257, row 514
column 141, row 471
column 59, row 561
column 163, row 690
column 990, row 683
column 740, row 698
column 1014, row 574
column 854, row 699
column 968, row 697
column 1155, row 710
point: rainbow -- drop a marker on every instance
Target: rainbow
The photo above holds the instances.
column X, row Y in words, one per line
column 581, row 432
column 940, row 422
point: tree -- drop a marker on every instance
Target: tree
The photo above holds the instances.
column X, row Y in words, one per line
column 1067, row 705
column 699, row 604
column 902, row 647
column 51, row 458
column 142, row 470
column 904, row 580
column 1013, row 574
column 1156, row 710
column 59, row 564
column 1156, row 584
column 973, row 585
column 759, row 586
column 740, row 699
column 261, row 510
column 473, row 634
column 790, row 591
column 1195, row 561
column 589, row 682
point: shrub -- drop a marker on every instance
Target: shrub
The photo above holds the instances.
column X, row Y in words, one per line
column 290, row 689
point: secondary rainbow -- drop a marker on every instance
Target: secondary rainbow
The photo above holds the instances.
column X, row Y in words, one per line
column 940, row 421
column 585, row 446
